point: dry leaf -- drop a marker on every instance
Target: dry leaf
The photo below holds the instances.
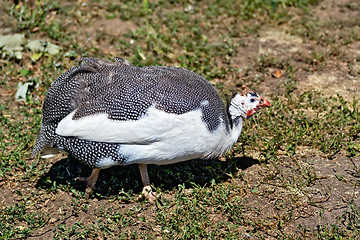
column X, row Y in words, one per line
column 277, row 73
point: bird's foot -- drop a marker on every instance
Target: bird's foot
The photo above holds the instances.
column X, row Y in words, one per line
column 90, row 181
column 90, row 185
column 148, row 194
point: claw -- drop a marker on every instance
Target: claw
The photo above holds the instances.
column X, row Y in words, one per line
column 148, row 194
column 90, row 181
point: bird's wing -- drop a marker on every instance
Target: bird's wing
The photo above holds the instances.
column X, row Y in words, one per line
column 151, row 127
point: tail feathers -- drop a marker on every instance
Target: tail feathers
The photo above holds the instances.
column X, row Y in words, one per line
column 39, row 145
column 43, row 140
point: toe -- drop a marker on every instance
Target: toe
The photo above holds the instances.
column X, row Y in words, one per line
column 82, row 179
column 148, row 194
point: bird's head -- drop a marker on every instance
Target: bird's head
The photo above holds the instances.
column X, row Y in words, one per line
column 246, row 103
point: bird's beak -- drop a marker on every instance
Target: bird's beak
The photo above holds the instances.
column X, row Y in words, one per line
column 264, row 103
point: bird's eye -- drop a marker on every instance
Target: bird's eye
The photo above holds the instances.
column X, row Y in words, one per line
column 252, row 100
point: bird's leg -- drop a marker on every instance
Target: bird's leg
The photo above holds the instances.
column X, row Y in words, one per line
column 90, row 181
column 146, row 192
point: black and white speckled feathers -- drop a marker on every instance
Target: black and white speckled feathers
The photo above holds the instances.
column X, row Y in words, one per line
column 89, row 152
column 125, row 93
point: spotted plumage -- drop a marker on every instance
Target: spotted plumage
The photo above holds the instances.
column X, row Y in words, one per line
column 112, row 113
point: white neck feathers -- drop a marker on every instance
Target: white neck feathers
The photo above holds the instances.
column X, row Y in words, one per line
column 237, row 108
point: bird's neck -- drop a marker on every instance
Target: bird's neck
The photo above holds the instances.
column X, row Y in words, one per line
column 236, row 109
column 237, row 125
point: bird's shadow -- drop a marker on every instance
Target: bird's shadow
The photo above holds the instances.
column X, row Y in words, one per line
column 127, row 178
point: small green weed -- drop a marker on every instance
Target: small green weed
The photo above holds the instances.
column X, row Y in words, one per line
column 40, row 16
column 17, row 222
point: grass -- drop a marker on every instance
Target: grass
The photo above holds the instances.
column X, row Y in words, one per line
column 293, row 162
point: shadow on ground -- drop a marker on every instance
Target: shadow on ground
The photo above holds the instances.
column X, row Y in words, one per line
column 127, row 178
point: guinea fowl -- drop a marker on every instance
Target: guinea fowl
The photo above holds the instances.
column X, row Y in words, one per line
column 113, row 113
